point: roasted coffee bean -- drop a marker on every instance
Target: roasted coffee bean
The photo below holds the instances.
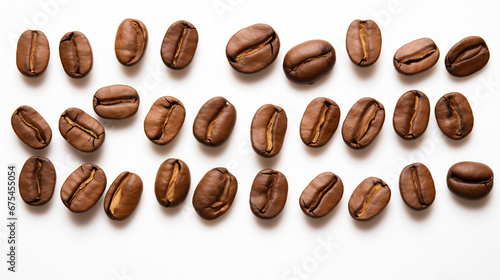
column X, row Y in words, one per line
column 471, row 180
column 76, row 54
column 37, row 180
column 32, row 55
column 164, row 120
column 309, row 61
column 363, row 122
column 215, row 193
column 411, row 115
column 31, row 127
column 179, row 45
column 417, row 186
column 363, row 42
column 81, row 130
column 131, row 41
column 268, row 194
column 319, row 122
column 116, row 102
column 268, row 130
column 123, row 196
column 253, row 48
column 215, row 122
column 369, row 198
column 172, row 182
column 321, row 195
column 83, row 188
column 466, row 57
column 454, row 115
column 416, row 56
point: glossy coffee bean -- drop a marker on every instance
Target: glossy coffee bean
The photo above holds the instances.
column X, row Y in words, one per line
column 131, row 41
column 416, row 56
column 363, row 42
column 471, row 180
column 363, row 123
column 215, row 193
column 268, row 193
column 172, row 183
column 253, row 48
column 31, row 127
column 369, row 199
column 467, row 57
column 83, row 188
column 411, row 115
column 454, row 115
column 321, row 195
column 37, row 180
column 76, row 54
column 123, row 196
column 81, row 130
column 268, row 130
column 164, row 120
column 33, row 53
column 116, row 102
column 319, row 122
column 214, row 122
column 179, row 45
column 417, row 186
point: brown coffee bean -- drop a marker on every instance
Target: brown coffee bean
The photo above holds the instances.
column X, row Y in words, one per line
column 81, row 130
column 123, row 196
column 116, row 102
column 268, row 194
column 369, row 198
column 471, row 180
column 83, row 188
column 32, row 54
column 308, row 62
column 363, row 123
column 164, row 120
column 215, row 193
column 363, row 42
column 416, row 56
column 467, row 57
column 253, row 48
column 268, row 130
column 172, row 182
column 131, row 41
column 321, row 195
column 37, row 180
column 179, row 45
column 319, row 122
column 31, row 127
column 411, row 115
column 215, row 122
column 454, row 115
column 417, row 186
column 76, row 54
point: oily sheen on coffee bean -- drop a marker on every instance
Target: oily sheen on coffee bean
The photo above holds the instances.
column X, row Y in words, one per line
column 31, row 127
column 179, row 45
column 83, row 188
column 116, row 102
column 363, row 42
column 37, row 180
column 321, row 195
column 268, row 130
column 411, row 115
column 172, row 183
column 164, row 120
column 268, row 194
column 123, row 196
column 214, row 122
column 417, row 186
column 32, row 54
column 319, row 122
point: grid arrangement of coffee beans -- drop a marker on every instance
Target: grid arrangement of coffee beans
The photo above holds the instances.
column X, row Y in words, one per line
column 248, row 51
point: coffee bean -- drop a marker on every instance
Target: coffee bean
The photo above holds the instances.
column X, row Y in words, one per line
column 33, row 52
column 76, row 54
column 215, row 122
column 411, row 115
column 319, row 122
column 308, row 62
column 466, row 57
column 215, row 193
column 268, row 194
column 131, row 41
column 369, row 198
column 81, row 130
column 31, row 127
column 454, row 115
column 83, row 188
column 268, row 130
column 363, row 123
column 179, row 45
column 164, row 120
column 116, row 102
column 253, row 48
column 321, row 195
column 172, row 182
column 417, row 186
column 416, row 56
column 123, row 196
column 37, row 180
column 471, row 180
column 363, row 42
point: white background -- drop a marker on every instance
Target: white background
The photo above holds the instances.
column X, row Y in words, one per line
column 453, row 239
